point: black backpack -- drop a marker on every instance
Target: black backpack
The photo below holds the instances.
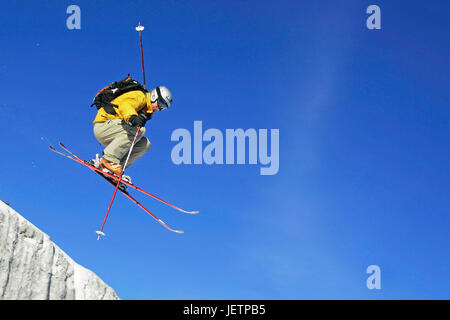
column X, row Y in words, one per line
column 104, row 97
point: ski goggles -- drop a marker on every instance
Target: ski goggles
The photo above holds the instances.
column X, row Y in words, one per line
column 162, row 104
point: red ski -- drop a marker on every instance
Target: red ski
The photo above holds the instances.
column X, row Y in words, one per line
column 113, row 181
column 100, row 233
column 79, row 160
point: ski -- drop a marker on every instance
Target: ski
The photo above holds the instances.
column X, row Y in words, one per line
column 79, row 160
column 101, row 173
column 140, row 205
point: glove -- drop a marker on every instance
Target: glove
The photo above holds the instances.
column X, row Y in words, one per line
column 149, row 115
column 137, row 120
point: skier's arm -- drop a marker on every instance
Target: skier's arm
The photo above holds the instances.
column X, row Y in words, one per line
column 148, row 112
column 127, row 108
column 129, row 104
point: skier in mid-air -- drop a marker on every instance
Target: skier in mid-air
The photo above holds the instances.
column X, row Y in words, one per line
column 116, row 127
column 124, row 107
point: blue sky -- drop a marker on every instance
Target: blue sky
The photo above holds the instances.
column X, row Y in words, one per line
column 363, row 118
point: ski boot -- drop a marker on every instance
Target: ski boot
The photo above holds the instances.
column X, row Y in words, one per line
column 122, row 186
column 96, row 162
column 126, row 178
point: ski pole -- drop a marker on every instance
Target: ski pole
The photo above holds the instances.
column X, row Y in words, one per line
column 100, row 232
column 140, row 28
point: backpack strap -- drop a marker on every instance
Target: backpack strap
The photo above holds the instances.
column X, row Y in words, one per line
column 105, row 96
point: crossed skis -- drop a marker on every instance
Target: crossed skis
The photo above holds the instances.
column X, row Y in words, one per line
column 104, row 175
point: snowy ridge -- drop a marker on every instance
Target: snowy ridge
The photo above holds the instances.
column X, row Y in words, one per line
column 32, row 267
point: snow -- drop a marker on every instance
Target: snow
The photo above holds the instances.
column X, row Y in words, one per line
column 32, row 267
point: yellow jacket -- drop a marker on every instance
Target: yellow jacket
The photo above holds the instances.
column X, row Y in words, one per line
column 129, row 103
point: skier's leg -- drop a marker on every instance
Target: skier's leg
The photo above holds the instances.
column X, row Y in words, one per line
column 105, row 132
column 117, row 137
column 139, row 149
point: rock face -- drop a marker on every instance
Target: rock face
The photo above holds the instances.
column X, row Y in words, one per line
column 34, row 268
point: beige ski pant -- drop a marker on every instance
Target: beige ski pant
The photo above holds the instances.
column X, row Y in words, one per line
column 117, row 136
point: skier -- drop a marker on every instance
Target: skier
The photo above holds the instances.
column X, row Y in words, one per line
column 116, row 131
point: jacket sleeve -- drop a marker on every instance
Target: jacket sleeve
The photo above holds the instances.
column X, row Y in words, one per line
column 127, row 108
column 149, row 110
column 130, row 104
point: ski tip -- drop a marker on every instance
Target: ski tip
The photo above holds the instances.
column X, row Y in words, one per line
column 169, row 228
column 189, row 212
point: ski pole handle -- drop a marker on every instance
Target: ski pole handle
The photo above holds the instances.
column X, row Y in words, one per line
column 139, row 29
